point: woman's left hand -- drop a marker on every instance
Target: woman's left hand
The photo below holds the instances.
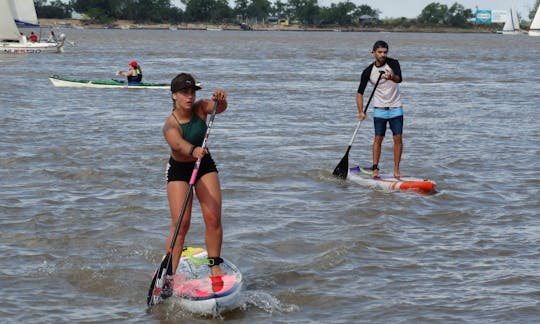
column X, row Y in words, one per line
column 219, row 95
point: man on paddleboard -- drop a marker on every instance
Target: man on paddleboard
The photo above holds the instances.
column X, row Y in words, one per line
column 388, row 108
column 184, row 131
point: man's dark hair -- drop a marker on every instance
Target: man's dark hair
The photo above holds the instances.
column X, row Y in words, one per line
column 380, row 44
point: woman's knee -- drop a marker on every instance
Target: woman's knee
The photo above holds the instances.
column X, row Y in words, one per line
column 184, row 227
column 213, row 221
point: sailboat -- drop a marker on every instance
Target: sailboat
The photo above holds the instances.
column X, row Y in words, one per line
column 511, row 26
column 24, row 13
column 535, row 25
column 12, row 41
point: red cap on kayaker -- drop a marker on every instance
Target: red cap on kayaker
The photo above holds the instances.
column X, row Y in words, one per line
column 134, row 64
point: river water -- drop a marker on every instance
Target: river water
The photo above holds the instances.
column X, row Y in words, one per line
column 83, row 209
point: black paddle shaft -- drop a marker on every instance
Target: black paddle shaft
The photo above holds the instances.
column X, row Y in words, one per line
column 342, row 168
column 381, row 72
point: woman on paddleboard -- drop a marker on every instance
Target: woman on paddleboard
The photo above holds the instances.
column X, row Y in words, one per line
column 184, row 130
column 386, row 101
column 134, row 74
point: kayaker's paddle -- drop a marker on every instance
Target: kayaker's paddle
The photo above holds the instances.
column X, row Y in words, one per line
column 342, row 168
column 165, row 268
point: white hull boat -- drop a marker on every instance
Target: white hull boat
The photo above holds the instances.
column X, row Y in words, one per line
column 25, row 47
column 511, row 26
column 12, row 41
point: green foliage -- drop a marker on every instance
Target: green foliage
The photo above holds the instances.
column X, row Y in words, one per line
column 138, row 10
column 207, row 10
column 439, row 14
column 400, row 22
column 222, row 12
column 101, row 9
column 57, row 9
column 433, row 14
column 365, row 10
column 98, row 15
column 241, row 7
column 305, row 12
column 280, row 9
column 457, row 15
column 259, row 9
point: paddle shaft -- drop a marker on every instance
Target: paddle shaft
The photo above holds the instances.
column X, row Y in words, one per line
column 366, row 107
column 342, row 168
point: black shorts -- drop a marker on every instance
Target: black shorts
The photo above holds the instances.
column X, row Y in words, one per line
column 181, row 171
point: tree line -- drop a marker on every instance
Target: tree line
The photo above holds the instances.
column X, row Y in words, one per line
column 302, row 12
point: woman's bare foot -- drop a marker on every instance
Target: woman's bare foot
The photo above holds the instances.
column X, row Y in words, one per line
column 216, row 271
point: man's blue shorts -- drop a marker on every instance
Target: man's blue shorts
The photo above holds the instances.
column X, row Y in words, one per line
column 392, row 116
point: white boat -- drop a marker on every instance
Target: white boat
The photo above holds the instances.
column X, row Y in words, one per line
column 24, row 12
column 11, row 39
column 511, row 26
column 535, row 25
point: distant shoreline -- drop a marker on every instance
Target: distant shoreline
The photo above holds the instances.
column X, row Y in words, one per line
column 126, row 25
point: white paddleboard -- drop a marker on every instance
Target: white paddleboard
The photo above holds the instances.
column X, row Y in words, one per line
column 389, row 182
column 197, row 291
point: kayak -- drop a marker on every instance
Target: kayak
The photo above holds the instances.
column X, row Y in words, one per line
column 58, row 81
column 364, row 175
column 198, row 292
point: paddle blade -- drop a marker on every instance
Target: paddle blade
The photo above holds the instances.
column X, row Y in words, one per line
column 154, row 293
column 342, row 168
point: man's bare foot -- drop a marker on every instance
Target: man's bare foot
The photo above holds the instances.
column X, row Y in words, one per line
column 376, row 173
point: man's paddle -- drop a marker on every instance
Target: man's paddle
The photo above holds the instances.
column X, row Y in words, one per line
column 165, row 268
column 342, row 168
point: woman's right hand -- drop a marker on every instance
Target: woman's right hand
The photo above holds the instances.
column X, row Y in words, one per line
column 199, row 152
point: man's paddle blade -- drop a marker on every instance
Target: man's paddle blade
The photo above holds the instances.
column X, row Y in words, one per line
column 342, row 168
column 154, row 293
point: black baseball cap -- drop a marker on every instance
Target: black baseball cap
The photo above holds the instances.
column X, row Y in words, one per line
column 184, row 80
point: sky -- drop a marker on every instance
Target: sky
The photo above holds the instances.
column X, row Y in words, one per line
column 413, row 8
